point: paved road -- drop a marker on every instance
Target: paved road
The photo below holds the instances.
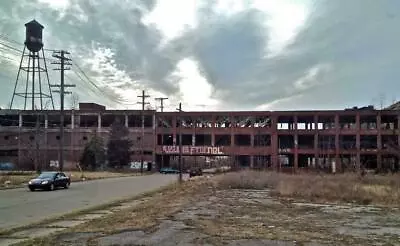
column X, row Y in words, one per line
column 20, row 206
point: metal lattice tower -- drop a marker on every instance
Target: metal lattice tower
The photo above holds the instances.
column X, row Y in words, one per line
column 35, row 86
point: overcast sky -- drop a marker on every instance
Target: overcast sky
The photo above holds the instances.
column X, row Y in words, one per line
column 216, row 54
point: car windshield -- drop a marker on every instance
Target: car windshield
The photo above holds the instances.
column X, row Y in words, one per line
column 46, row 175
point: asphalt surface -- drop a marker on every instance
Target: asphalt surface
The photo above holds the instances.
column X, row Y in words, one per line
column 19, row 207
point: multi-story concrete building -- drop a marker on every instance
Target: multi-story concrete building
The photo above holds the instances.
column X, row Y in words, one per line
column 286, row 140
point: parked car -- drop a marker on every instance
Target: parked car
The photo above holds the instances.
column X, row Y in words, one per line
column 50, row 181
column 166, row 170
column 195, row 172
column 7, row 166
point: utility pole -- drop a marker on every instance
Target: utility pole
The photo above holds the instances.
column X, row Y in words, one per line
column 64, row 61
column 143, row 102
column 161, row 99
column 180, row 142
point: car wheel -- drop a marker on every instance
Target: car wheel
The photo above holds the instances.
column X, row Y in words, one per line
column 31, row 188
column 51, row 187
column 66, row 186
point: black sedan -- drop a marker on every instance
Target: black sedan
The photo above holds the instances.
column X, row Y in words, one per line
column 49, row 181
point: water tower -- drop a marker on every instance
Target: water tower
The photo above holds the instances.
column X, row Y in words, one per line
column 35, row 86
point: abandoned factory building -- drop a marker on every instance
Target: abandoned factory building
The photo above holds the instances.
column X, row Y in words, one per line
column 337, row 140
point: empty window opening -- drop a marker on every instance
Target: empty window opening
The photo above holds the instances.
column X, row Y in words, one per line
column 305, row 123
column 348, row 162
column 262, row 140
column 84, row 138
column 285, row 123
column 222, row 140
column 347, row 142
column 242, row 160
column 32, row 121
column 203, row 122
column 148, row 121
column 326, row 162
column 262, row 121
column 347, row 122
column 88, row 121
column 165, row 139
column 262, row 161
column 242, row 140
column 9, row 120
column 243, row 121
column 390, row 162
column 108, row 119
column 368, row 122
column 368, row 142
column 31, row 138
column 165, row 121
column 187, row 139
column 134, row 120
column 326, row 122
column 186, row 122
column 6, row 137
column 306, row 161
column 390, row 142
column 306, row 141
column 389, row 122
column 58, row 137
column 368, row 162
column 286, row 141
column 326, row 142
column 286, row 160
column 222, row 121
column 202, row 139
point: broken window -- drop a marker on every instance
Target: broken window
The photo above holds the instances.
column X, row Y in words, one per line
column 222, row 121
column 243, row 121
column 285, row 123
column 262, row 121
column 347, row 122
column 165, row 139
column 9, row 120
column 286, row 160
column 148, row 121
column 88, row 121
column 326, row 122
column 222, row 140
column 203, row 121
column 187, row 139
column 242, row 140
column 368, row 161
column 165, row 121
column 262, row 140
column 306, row 141
column 389, row 122
column 305, row 123
column 347, row 142
column 326, row 142
column 243, row 160
column 368, row 142
column 286, row 141
column 202, row 140
column 368, row 122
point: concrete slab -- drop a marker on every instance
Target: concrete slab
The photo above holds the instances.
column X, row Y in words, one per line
column 87, row 217
column 66, row 223
column 35, row 232
column 9, row 241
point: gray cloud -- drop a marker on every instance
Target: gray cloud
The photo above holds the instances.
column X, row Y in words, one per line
column 349, row 46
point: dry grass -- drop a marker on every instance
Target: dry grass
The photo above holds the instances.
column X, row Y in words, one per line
column 19, row 178
column 375, row 189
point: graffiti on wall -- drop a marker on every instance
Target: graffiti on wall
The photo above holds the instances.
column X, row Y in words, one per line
column 194, row 150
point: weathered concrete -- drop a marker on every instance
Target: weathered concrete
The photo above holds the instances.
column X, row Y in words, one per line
column 20, row 206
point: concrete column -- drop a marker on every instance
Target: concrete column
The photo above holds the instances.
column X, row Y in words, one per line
column 99, row 121
column 72, row 120
column 274, row 143
column 20, row 120
column 316, row 149
column 46, row 121
column 338, row 165
column 296, row 145
column 251, row 161
column 379, row 142
column 358, row 158
column 193, row 139
column 126, row 121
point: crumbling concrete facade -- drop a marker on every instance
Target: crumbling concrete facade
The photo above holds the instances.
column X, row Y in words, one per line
column 332, row 141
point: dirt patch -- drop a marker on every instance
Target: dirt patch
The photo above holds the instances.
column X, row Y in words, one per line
column 197, row 213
